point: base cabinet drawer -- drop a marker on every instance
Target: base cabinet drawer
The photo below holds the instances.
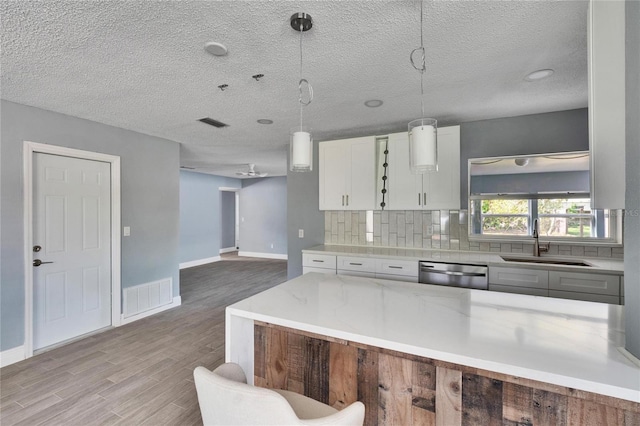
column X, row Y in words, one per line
column 585, row 283
column 519, row 277
column 519, row 290
column 325, row 261
column 397, row 267
column 358, row 264
column 589, row 297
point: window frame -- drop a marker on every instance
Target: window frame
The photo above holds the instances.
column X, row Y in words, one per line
column 615, row 221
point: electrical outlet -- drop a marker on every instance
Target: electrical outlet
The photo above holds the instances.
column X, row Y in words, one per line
column 430, row 230
column 300, row 233
column 271, row 245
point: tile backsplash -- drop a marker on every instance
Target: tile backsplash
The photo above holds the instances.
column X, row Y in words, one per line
column 433, row 229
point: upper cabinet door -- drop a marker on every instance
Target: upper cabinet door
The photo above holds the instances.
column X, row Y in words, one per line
column 361, row 187
column 332, row 173
column 430, row 191
column 347, row 174
column 404, row 187
column 442, row 188
column 606, row 37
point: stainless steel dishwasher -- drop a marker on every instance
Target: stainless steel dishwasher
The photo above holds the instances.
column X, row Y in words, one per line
column 454, row 275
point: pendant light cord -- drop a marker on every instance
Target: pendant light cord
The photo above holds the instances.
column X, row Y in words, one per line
column 303, row 82
column 422, row 65
column 300, row 83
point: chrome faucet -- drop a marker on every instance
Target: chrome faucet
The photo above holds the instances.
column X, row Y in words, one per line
column 536, row 244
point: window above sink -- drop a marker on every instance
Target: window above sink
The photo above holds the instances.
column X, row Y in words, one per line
column 506, row 195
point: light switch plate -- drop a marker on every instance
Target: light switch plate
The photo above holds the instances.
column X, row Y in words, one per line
column 300, row 233
column 126, row 231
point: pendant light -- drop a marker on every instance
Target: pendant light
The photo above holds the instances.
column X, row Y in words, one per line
column 423, row 132
column 301, row 144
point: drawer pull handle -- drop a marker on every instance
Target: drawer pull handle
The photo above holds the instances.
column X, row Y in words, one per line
column 319, row 261
column 395, row 267
column 355, row 264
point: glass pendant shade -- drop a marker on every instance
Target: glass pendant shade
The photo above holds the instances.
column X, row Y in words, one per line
column 423, row 145
column 301, row 155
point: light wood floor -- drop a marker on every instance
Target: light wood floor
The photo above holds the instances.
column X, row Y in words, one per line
column 140, row 373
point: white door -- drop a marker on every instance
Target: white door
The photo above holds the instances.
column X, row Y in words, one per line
column 72, row 220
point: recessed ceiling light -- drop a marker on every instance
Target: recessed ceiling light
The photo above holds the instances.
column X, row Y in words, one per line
column 539, row 75
column 265, row 121
column 373, row 103
column 216, row 49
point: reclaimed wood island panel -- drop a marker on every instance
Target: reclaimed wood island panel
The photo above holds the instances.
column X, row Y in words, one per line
column 403, row 389
column 424, row 354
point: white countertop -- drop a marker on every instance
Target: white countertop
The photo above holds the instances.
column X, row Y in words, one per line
column 564, row 342
column 599, row 265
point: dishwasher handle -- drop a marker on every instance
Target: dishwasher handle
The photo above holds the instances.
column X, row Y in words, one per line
column 459, row 274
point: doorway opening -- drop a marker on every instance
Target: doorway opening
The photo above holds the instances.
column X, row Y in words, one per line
column 229, row 220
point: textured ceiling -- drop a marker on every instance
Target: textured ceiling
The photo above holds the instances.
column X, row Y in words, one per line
column 141, row 65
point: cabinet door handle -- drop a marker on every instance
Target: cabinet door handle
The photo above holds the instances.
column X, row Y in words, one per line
column 424, row 202
column 347, row 199
column 319, row 261
column 355, row 264
column 343, row 200
column 395, row 267
column 418, row 198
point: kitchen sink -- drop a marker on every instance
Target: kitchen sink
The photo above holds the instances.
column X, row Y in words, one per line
column 545, row 261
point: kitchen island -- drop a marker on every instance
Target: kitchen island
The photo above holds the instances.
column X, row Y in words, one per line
column 416, row 353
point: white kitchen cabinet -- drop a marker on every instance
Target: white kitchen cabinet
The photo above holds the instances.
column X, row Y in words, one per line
column 347, row 174
column 356, row 264
column 519, row 277
column 323, row 263
column 585, row 283
column 429, row 191
column 606, row 40
column 591, row 287
column 534, row 282
column 389, row 267
column 404, row 188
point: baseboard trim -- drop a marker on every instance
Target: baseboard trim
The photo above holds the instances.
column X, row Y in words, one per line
column 263, row 255
column 11, row 356
column 228, row 250
column 177, row 301
column 199, row 262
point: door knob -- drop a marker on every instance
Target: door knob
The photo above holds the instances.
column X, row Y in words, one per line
column 38, row 262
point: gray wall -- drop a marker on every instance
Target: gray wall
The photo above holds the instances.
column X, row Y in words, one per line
column 528, row 134
column 303, row 212
column 227, row 219
column 632, row 201
column 149, row 167
column 200, row 232
column 531, row 183
column 263, row 215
